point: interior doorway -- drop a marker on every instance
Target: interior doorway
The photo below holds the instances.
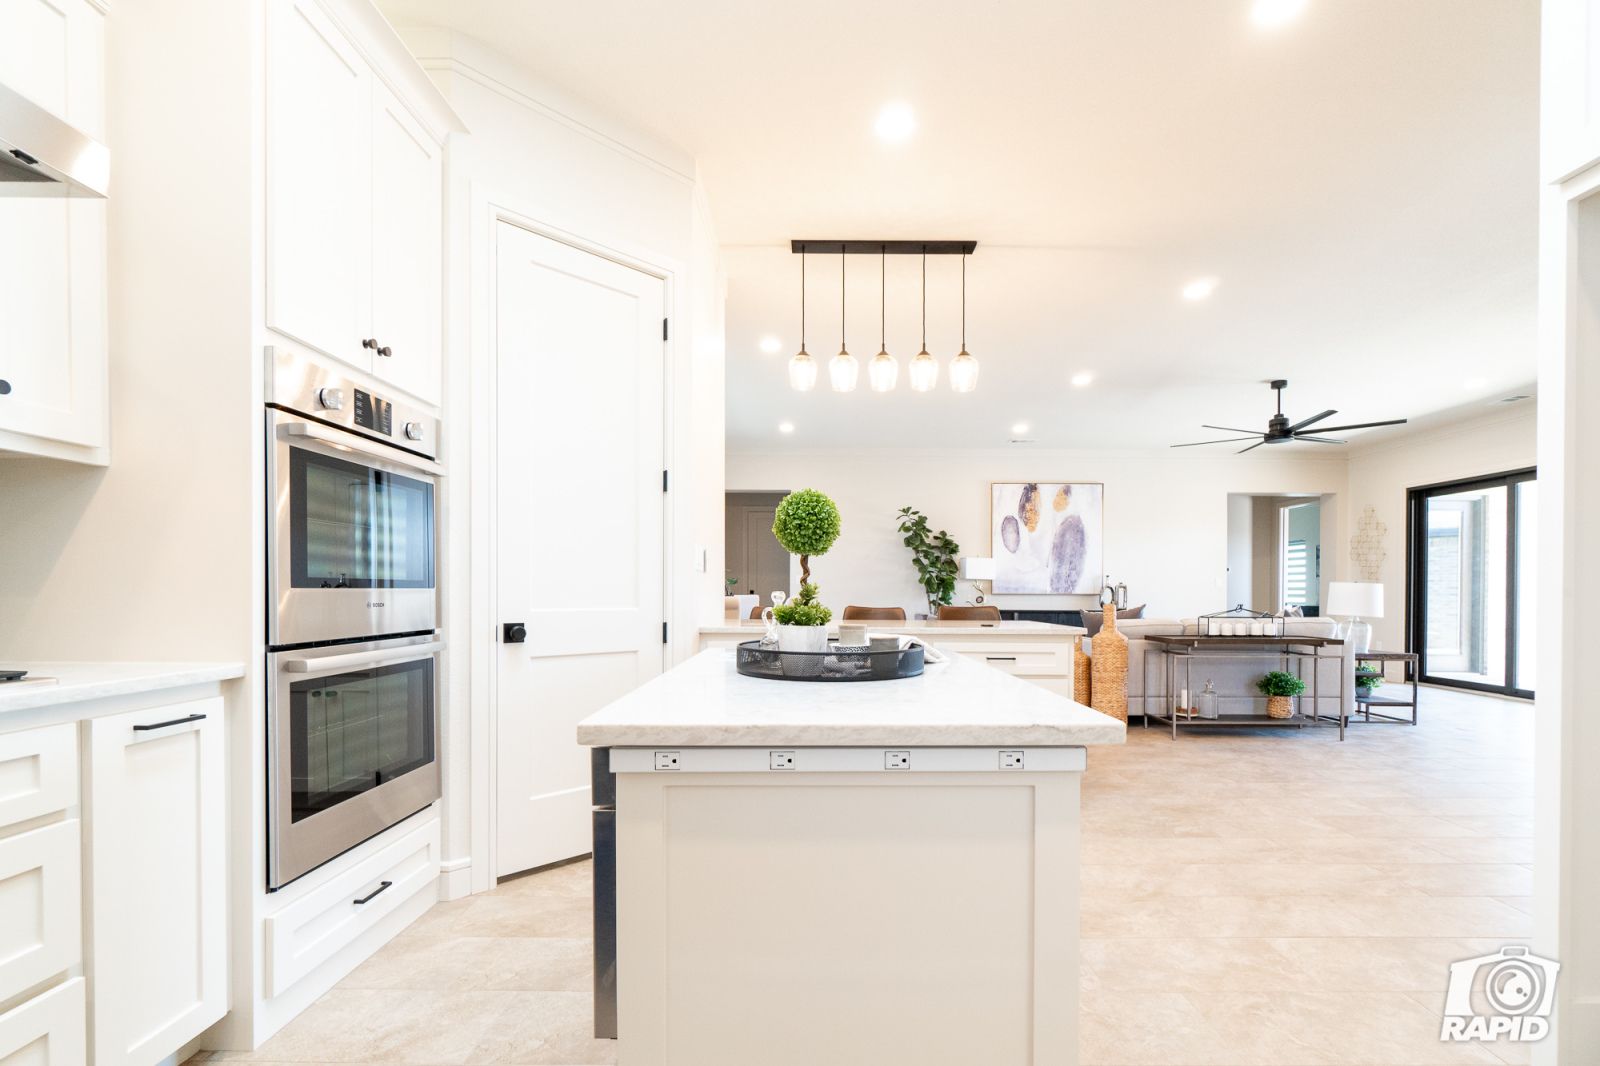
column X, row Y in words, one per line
column 1276, row 556
column 756, row 562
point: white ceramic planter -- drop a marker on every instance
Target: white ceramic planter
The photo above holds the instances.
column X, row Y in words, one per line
column 803, row 639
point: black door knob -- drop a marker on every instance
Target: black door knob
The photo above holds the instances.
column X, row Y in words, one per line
column 513, row 632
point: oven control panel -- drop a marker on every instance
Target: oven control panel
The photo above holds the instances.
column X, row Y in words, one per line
column 297, row 384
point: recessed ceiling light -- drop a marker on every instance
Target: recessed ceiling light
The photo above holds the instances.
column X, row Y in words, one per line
column 1270, row 14
column 896, row 123
column 771, row 345
column 1020, row 429
column 1199, row 288
column 785, row 427
column 1081, row 378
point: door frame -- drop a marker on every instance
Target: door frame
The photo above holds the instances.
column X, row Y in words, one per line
column 490, row 212
column 1416, row 576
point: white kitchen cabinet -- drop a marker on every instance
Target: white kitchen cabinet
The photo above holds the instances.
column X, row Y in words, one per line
column 407, row 200
column 155, row 807
column 354, row 187
column 46, row 1030
column 53, row 275
column 42, row 934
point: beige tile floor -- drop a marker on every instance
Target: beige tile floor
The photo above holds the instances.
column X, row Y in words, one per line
column 1270, row 897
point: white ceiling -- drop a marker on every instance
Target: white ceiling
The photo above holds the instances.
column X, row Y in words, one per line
column 1362, row 181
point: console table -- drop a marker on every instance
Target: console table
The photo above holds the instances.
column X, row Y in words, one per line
column 1365, row 704
column 1293, row 651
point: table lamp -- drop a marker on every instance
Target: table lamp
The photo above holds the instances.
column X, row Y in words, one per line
column 1356, row 600
column 977, row 568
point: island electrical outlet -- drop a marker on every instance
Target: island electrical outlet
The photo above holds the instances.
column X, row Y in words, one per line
column 1011, row 760
column 666, row 760
column 782, row 760
column 897, row 760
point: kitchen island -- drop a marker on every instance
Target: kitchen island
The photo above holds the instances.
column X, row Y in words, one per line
column 843, row 873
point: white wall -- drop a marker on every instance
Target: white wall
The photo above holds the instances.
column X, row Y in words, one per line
column 556, row 165
column 1380, row 478
column 1241, row 538
column 1166, row 517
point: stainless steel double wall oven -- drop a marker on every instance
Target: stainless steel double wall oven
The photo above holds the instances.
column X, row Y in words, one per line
column 353, row 639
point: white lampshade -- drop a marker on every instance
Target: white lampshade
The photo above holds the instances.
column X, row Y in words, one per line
column 924, row 372
column 802, row 371
column 977, row 568
column 964, row 372
column 1355, row 599
column 883, row 371
column 843, row 369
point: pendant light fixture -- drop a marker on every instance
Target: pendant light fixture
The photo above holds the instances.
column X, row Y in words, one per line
column 964, row 367
column 924, row 367
column 884, row 370
column 802, row 368
column 843, row 368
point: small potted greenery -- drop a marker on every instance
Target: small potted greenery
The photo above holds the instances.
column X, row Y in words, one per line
column 806, row 523
column 934, row 556
column 1369, row 677
column 1280, row 687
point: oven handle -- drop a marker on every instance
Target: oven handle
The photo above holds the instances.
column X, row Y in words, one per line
column 351, row 443
column 361, row 659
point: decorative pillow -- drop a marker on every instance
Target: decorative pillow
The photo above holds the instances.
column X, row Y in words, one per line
column 1093, row 620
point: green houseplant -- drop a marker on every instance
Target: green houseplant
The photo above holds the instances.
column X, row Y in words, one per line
column 806, row 523
column 1279, row 687
column 1365, row 686
column 934, row 555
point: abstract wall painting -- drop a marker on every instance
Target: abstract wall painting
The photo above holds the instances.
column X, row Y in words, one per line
column 1045, row 537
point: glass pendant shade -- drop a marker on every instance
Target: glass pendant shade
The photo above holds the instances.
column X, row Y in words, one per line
column 802, row 371
column 883, row 372
column 964, row 372
column 924, row 372
column 843, row 370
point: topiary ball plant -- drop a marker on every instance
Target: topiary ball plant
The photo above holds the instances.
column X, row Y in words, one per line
column 806, row 523
column 1280, row 683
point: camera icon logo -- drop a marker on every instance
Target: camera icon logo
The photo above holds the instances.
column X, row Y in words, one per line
column 1518, row 993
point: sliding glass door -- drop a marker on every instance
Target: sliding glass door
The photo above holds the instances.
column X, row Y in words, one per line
column 1470, row 600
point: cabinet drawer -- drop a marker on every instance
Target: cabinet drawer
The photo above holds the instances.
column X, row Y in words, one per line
column 1023, row 660
column 40, row 935
column 314, row 927
column 47, row 1030
column 38, row 772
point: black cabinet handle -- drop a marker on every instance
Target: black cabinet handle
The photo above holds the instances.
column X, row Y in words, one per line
column 147, row 726
column 1000, row 658
column 5, row 387
column 368, row 897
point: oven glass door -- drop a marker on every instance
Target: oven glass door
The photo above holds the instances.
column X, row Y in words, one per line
column 353, row 526
column 352, row 732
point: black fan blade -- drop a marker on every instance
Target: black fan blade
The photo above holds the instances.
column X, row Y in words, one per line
column 1252, row 447
column 1234, row 429
column 1362, row 425
column 1313, row 418
column 1320, row 440
column 1230, row 440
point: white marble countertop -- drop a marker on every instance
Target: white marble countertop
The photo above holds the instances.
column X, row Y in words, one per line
column 76, row 682
column 929, row 627
column 705, row 702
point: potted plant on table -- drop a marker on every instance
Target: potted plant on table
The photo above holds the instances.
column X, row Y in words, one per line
column 1369, row 677
column 934, row 555
column 806, row 523
column 1280, row 687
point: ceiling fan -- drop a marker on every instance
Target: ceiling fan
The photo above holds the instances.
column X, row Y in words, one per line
column 1279, row 431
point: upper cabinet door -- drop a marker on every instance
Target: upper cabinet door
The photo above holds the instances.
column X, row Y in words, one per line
column 319, row 100
column 52, row 275
column 407, row 176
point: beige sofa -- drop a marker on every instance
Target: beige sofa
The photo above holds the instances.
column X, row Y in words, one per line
column 1234, row 678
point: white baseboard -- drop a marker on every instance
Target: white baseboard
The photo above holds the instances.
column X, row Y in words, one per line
column 455, row 878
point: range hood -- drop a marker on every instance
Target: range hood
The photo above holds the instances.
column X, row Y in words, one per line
column 40, row 155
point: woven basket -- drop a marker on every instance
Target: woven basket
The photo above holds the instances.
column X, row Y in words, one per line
column 1108, row 690
column 1280, row 706
column 1080, row 672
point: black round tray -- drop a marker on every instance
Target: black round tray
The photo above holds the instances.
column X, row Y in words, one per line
column 753, row 660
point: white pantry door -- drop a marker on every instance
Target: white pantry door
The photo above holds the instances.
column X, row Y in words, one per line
column 581, row 392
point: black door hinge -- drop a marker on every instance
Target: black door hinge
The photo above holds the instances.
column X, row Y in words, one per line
column 663, row 481
column 663, row 632
column 663, row 329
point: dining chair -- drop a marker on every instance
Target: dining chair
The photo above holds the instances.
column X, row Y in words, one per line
column 755, row 612
column 969, row 614
column 874, row 614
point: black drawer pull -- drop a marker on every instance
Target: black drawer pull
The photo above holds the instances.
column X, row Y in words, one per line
column 1000, row 658
column 147, row 726
column 368, row 897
